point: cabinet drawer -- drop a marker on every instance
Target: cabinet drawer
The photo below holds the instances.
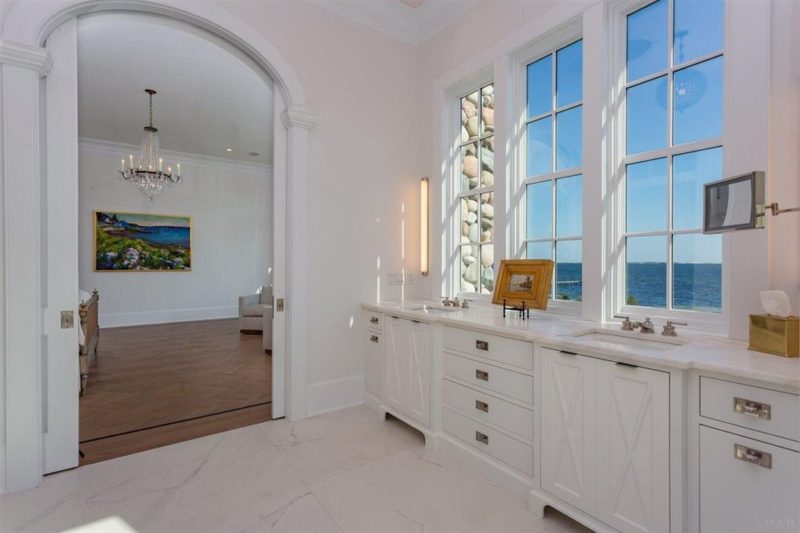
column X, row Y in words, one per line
column 502, row 447
column 373, row 320
column 489, row 377
column 737, row 495
column 501, row 349
column 769, row 411
column 490, row 409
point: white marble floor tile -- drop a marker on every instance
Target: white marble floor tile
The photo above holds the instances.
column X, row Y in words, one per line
column 411, row 491
column 346, row 471
column 55, row 505
column 324, row 446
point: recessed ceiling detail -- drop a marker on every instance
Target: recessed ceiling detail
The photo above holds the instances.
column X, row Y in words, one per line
column 209, row 97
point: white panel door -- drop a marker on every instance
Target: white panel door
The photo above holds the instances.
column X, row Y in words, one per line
column 419, row 372
column 280, row 371
column 568, row 428
column 395, row 383
column 60, row 253
column 632, row 447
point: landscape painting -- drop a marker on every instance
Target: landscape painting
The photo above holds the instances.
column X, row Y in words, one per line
column 142, row 242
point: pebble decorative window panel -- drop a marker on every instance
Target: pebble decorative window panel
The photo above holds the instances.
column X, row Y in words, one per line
column 475, row 253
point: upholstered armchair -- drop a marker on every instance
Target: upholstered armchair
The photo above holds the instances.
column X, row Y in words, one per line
column 255, row 314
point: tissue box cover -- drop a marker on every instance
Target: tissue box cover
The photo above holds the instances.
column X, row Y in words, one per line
column 775, row 335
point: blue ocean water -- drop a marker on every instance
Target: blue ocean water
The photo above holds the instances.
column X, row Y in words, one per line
column 161, row 235
column 696, row 286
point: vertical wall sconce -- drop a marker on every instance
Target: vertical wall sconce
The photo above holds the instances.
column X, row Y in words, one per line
column 424, row 224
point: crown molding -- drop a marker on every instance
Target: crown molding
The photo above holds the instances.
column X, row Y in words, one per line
column 122, row 149
column 411, row 25
column 25, row 56
column 298, row 116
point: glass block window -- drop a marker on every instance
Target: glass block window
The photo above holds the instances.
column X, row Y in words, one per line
column 554, row 166
column 476, row 193
column 672, row 146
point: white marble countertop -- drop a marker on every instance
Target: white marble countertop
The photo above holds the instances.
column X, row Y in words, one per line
column 699, row 352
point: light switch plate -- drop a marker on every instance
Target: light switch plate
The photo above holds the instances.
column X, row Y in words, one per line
column 67, row 319
column 279, row 304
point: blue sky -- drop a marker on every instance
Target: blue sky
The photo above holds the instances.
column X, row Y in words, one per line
column 696, row 115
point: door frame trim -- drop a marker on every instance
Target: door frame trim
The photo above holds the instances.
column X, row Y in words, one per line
column 23, row 62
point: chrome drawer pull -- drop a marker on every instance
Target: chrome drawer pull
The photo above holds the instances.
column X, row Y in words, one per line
column 481, row 406
column 482, row 375
column 374, row 338
column 480, row 437
column 750, row 455
column 374, row 320
column 751, row 408
column 482, row 345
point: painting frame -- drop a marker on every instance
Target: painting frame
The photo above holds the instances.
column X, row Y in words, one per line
column 524, row 282
column 188, row 255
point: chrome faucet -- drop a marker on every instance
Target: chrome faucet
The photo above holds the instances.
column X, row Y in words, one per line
column 447, row 302
column 627, row 325
column 645, row 327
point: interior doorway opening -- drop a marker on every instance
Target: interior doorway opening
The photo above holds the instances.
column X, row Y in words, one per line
column 41, row 430
column 181, row 282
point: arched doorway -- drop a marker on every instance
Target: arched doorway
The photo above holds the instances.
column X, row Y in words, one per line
column 33, row 324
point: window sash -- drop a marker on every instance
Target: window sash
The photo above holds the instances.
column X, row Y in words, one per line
column 669, row 152
column 553, row 176
column 476, row 193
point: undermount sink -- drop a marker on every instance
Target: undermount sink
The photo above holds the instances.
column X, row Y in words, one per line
column 650, row 341
column 432, row 308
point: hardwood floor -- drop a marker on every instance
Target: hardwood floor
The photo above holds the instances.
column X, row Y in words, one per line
column 156, row 385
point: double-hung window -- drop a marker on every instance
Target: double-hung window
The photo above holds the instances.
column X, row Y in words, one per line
column 671, row 144
column 554, row 166
column 476, row 192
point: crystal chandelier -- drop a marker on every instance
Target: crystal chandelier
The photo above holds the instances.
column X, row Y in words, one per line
column 147, row 171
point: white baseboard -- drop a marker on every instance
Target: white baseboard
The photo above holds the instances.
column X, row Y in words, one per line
column 141, row 318
column 334, row 395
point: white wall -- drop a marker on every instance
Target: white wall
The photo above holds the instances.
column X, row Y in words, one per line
column 364, row 173
column 784, row 144
column 230, row 207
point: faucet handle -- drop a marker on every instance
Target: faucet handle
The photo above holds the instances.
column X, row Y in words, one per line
column 669, row 328
column 465, row 303
column 627, row 325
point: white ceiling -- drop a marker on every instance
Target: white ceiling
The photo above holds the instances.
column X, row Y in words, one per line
column 412, row 21
column 209, row 97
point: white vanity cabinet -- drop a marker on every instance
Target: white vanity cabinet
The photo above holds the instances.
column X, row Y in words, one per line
column 373, row 357
column 568, row 431
column 748, row 459
column 605, row 439
column 487, row 397
column 407, row 368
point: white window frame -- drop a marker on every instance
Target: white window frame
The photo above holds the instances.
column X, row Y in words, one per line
column 452, row 194
column 548, row 44
column 555, row 175
column 618, row 160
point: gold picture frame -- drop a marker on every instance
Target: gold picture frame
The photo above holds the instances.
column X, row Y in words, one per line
column 524, row 282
